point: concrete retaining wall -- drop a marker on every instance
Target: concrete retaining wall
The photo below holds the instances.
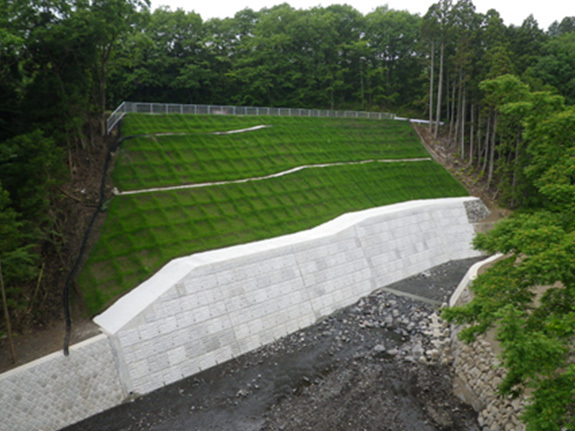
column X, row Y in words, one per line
column 478, row 372
column 204, row 309
column 57, row 390
column 207, row 308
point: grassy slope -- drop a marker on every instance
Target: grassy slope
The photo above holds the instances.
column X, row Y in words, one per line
column 143, row 232
column 198, row 156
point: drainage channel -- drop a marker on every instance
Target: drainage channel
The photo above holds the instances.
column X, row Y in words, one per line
column 266, row 177
column 430, row 301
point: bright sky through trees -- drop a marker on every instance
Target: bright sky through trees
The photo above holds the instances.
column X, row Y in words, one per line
column 512, row 11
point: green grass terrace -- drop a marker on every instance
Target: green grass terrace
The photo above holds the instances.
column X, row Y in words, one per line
column 144, row 231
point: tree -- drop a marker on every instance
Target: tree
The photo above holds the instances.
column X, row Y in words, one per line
column 110, row 21
column 556, row 66
column 529, row 296
column 526, row 43
column 507, row 98
column 393, row 36
column 16, row 253
column 167, row 59
column 567, row 25
column 465, row 29
column 437, row 27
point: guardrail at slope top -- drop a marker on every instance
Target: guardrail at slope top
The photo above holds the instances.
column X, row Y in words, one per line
column 173, row 108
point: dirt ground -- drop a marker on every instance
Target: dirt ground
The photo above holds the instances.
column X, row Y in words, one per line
column 442, row 151
column 41, row 329
column 367, row 367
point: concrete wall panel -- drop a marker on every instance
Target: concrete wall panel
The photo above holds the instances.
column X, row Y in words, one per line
column 207, row 308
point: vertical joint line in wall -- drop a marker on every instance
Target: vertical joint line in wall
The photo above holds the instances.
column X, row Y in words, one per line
column 300, row 274
column 365, row 258
column 121, row 365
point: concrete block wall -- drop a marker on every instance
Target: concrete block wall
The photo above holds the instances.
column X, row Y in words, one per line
column 207, row 308
column 57, row 390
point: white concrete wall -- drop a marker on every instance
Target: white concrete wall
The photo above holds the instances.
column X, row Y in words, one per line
column 204, row 309
column 57, row 390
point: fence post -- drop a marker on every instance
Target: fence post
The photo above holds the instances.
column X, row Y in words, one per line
column 7, row 317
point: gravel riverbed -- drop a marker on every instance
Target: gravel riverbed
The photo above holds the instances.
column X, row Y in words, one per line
column 380, row 364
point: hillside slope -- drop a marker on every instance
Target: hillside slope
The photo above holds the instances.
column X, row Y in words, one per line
column 350, row 165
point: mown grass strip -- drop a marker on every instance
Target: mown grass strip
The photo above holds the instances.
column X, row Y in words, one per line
column 198, row 156
column 144, row 232
column 275, row 175
column 138, row 124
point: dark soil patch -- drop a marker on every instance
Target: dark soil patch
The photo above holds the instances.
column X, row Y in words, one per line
column 444, row 152
column 39, row 330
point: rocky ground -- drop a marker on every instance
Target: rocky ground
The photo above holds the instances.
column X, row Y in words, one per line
column 380, row 364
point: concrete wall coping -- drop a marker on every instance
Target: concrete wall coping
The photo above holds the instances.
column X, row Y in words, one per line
column 129, row 306
column 470, row 275
column 44, row 359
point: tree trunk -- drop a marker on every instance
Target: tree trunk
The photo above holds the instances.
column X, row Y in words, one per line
column 471, row 132
column 486, row 144
column 439, row 90
column 456, row 110
column 492, row 151
column 479, row 149
column 462, row 116
column 431, row 87
column 451, row 109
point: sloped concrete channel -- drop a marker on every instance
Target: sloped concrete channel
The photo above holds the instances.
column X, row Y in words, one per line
column 370, row 366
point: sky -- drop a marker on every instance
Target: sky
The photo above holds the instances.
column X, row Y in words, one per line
column 512, row 11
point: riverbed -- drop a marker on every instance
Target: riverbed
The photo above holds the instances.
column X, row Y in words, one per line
column 371, row 366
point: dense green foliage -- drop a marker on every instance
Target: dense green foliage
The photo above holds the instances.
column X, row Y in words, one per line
column 52, row 55
column 529, row 296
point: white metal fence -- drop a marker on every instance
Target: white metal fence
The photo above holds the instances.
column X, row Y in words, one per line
column 171, row 108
